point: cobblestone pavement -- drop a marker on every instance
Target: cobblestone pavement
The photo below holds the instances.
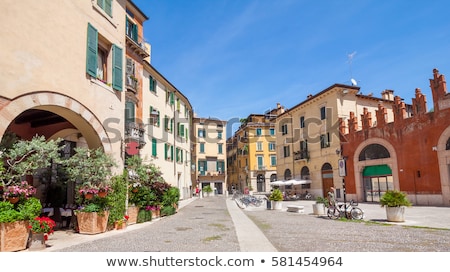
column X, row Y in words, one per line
column 205, row 225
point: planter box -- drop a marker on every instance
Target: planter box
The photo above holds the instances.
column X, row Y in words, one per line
column 319, row 209
column 395, row 214
column 14, row 236
column 92, row 222
column 277, row 205
column 132, row 212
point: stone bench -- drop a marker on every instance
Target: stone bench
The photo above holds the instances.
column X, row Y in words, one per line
column 295, row 208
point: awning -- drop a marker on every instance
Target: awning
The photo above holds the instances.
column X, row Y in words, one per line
column 290, row 182
column 377, row 170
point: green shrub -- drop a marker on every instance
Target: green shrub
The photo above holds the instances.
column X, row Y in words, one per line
column 276, row 195
column 167, row 210
column 394, row 198
column 144, row 216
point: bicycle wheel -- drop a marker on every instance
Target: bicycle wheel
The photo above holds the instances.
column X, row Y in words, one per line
column 357, row 213
column 333, row 213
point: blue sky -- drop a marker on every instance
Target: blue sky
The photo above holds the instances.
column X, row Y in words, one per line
column 232, row 58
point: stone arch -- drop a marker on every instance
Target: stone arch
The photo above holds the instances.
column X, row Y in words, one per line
column 287, row 174
column 70, row 109
column 360, row 165
column 444, row 164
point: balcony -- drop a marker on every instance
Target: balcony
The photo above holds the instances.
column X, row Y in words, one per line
column 135, row 132
column 131, row 83
column 211, row 177
column 137, row 44
column 260, row 168
column 301, row 155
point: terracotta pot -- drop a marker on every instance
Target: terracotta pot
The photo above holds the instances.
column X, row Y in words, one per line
column 88, row 196
column 13, row 199
column 13, row 236
column 102, row 194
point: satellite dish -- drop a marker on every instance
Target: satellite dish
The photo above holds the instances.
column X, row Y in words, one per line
column 354, row 83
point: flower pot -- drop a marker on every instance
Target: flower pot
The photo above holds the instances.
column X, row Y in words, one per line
column 88, row 196
column 102, row 194
column 13, row 199
column 37, row 241
column 277, row 205
column 319, row 209
column 13, row 236
column 132, row 212
column 92, row 222
column 135, row 190
column 395, row 214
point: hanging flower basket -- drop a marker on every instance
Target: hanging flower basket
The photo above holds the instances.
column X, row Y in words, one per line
column 102, row 194
column 88, row 196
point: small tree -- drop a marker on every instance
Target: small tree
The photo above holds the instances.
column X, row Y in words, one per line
column 92, row 167
column 26, row 157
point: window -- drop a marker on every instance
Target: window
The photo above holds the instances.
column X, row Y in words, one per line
column 129, row 112
column 132, row 31
column 258, row 132
column 202, row 147
column 260, row 160
column 97, row 59
column 259, row 146
column 325, row 140
column 272, row 131
column 373, row 152
column 177, row 154
column 286, row 151
column 202, row 167
column 201, row 133
column 106, row 5
column 178, row 104
column 220, row 148
column 302, row 121
column 271, row 146
column 273, row 160
column 152, row 84
column 154, row 117
column 170, row 97
column 323, row 115
column 180, row 129
column 220, row 166
column 304, row 149
column 168, row 124
column 284, row 129
column 154, row 145
column 219, row 134
column 168, row 152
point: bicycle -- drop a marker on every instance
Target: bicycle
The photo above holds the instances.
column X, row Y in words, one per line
column 350, row 211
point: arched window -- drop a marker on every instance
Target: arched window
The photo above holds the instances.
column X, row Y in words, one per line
column 327, row 166
column 447, row 146
column 287, row 174
column 305, row 173
column 373, row 152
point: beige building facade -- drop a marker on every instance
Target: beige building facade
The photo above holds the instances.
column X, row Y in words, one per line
column 308, row 143
column 80, row 70
column 209, row 165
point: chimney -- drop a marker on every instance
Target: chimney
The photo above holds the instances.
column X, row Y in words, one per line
column 388, row 95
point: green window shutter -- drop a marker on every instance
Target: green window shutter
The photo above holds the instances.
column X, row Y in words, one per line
column 166, row 148
column 159, row 119
column 166, row 122
column 108, row 7
column 171, row 152
column 181, row 156
column 129, row 112
column 135, row 33
column 91, row 52
column 152, row 83
column 178, row 129
column 172, row 98
column 187, row 135
column 154, row 153
column 117, row 77
column 182, row 130
column 171, row 125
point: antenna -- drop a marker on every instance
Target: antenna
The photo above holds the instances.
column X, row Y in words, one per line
column 350, row 59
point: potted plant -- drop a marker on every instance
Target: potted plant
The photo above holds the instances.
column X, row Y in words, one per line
column 277, row 199
column 320, row 205
column 395, row 202
column 19, row 158
column 92, row 169
column 40, row 228
column 208, row 190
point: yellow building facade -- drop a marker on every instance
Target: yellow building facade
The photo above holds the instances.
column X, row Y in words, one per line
column 308, row 142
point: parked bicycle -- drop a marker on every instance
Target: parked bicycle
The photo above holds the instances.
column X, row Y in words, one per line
column 349, row 211
column 250, row 200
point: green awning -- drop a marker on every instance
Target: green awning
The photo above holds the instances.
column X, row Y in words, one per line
column 377, row 170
